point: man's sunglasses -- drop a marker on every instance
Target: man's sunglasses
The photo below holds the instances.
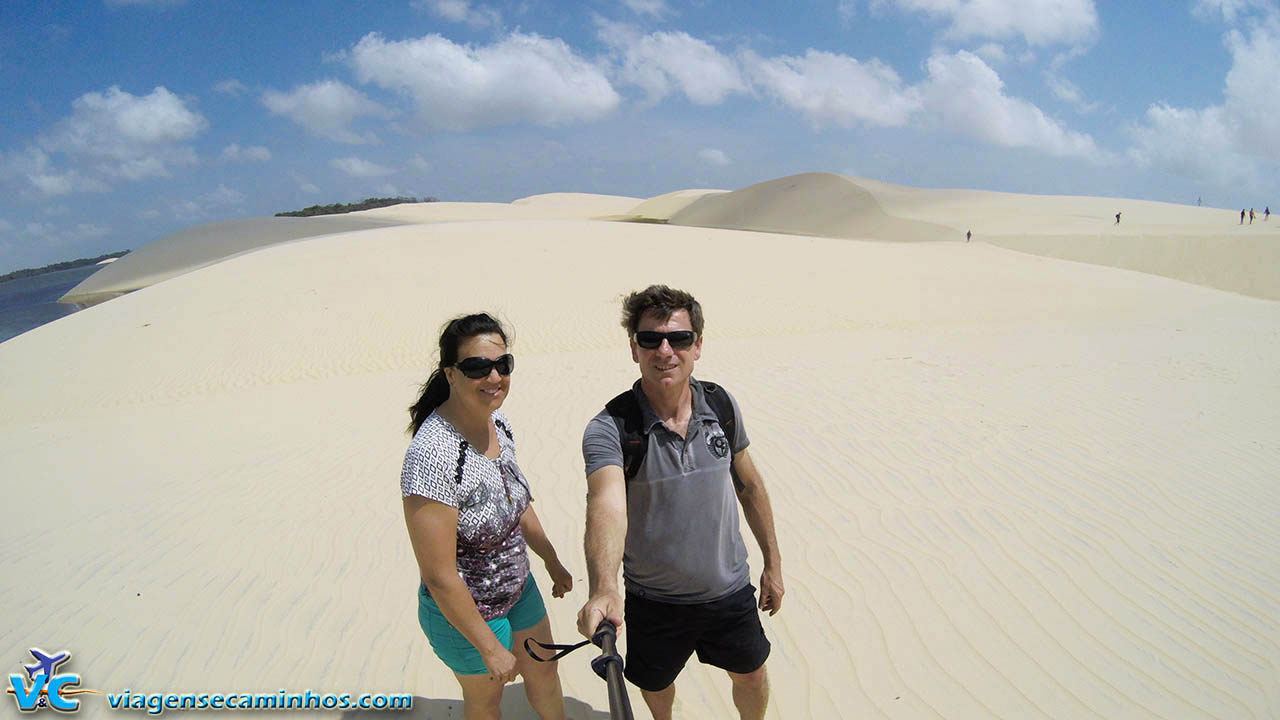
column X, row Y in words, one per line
column 479, row 367
column 679, row 340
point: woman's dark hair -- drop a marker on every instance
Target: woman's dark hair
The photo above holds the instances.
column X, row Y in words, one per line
column 436, row 390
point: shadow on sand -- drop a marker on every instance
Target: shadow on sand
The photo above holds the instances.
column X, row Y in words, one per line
column 514, row 707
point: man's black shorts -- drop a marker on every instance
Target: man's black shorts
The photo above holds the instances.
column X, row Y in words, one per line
column 661, row 636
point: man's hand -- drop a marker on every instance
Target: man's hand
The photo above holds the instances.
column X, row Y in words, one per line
column 561, row 578
column 771, row 590
column 605, row 606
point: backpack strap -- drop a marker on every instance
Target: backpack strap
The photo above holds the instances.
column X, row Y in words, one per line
column 625, row 411
column 718, row 398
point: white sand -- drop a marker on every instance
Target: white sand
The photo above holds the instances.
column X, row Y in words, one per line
column 1006, row 486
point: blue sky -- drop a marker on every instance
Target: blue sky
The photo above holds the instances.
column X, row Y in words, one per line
column 125, row 120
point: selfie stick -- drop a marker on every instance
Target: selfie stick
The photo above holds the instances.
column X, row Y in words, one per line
column 609, row 667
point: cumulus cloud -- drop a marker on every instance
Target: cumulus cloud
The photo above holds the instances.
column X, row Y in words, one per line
column 32, row 168
column 661, row 62
column 1229, row 141
column 127, row 136
column 714, row 157
column 207, row 205
column 231, row 87
column 653, row 8
column 835, row 89
column 461, row 11
column 359, row 167
column 847, row 10
column 1230, row 9
column 1038, row 22
column 992, row 53
column 252, row 153
column 325, row 109
column 1062, row 88
column 964, row 95
column 521, row 78
column 109, row 136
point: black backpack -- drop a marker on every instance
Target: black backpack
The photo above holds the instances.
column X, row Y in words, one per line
column 625, row 411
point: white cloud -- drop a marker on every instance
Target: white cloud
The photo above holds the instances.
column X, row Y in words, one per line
column 309, row 189
column 326, row 109
column 964, row 95
column 653, row 8
column 1191, row 143
column 521, row 78
column 421, row 163
column 120, row 135
column 1064, row 89
column 150, row 214
column 231, row 87
column 91, row 230
column 835, row 89
column 714, row 157
column 33, row 167
column 461, row 11
column 207, row 205
column 1038, row 22
column 992, row 53
column 663, row 61
column 358, row 167
column 252, row 153
column 847, row 10
column 1229, row 9
column 1229, row 142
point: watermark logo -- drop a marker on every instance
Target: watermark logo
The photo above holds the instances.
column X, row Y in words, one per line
column 43, row 686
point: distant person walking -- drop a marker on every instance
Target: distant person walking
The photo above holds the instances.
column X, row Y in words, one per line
column 1242, row 216
column 968, row 235
column 1197, row 202
column 1250, row 216
column 1117, row 218
column 1266, row 213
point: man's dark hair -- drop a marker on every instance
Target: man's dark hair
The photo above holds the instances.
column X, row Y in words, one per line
column 662, row 301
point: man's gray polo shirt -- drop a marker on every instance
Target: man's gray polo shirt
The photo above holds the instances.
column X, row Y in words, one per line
column 684, row 544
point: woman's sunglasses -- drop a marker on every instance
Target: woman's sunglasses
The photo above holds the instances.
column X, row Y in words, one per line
column 479, row 367
column 679, row 340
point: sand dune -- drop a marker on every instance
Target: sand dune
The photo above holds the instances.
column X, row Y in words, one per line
column 202, row 245
column 809, row 204
column 1006, row 486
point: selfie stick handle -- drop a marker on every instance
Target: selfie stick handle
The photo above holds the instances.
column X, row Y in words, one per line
column 609, row 667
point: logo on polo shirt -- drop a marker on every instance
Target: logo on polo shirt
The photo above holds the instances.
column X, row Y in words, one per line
column 717, row 443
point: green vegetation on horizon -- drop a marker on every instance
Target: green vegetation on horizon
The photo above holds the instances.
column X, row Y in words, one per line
column 339, row 208
column 64, row 265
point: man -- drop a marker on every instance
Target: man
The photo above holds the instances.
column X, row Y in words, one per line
column 673, row 526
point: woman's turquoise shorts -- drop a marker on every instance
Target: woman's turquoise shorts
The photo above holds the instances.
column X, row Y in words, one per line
column 455, row 650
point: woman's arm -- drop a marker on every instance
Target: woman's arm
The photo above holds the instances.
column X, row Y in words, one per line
column 536, row 538
column 433, row 532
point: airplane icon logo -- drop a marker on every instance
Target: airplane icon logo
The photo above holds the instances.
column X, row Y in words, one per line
column 42, row 688
column 46, row 664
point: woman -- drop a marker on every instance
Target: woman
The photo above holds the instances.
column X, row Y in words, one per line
column 467, row 506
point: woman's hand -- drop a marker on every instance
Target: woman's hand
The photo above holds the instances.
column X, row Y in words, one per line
column 561, row 578
column 501, row 665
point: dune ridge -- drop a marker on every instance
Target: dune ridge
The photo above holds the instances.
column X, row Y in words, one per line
column 807, row 204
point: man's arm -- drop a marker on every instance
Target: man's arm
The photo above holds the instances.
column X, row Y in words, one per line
column 605, row 539
column 759, row 514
